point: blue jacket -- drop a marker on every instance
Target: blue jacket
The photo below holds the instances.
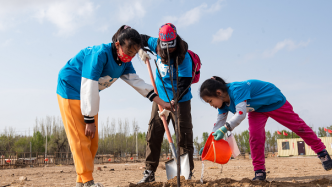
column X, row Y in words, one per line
column 93, row 69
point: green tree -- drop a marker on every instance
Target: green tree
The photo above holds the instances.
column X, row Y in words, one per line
column 245, row 137
column 38, row 142
column 238, row 141
column 321, row 132
column 165, row 149
column 268, row 140
column 205, row 136
column 57, row 141
column 22, row 144
column 7, row 139
column 174, row 141
column 274, row 141
column 198, row 145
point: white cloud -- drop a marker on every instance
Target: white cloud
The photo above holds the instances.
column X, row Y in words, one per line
column 287, row 44
column 131, row 10
column 215, row 7
column 67, row 16
column 222, row 35
column 192, row 16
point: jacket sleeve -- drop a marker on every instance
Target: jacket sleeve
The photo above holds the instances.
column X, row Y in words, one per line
column 93, row 64
column 145, row 39
column 131, row 78
column 184, row 83
column 185, row 76
column 151, row 43
column 221, row 120
column 239, row 116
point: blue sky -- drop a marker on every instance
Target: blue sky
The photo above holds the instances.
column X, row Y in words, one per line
column 283, row 42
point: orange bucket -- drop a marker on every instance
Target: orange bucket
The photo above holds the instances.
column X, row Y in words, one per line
column 216, row 151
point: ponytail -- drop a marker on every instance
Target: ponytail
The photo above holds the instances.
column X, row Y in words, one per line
column 210, row 86
column 127, row 33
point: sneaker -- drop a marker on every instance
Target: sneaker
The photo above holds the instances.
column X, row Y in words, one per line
column 79, row 184
column 148, row 177
column 92, row 184
column 260, row 175
column 191, row 175
column 325, row 159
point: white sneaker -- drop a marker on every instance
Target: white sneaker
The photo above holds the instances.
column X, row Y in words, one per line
column 92, row 184
column 97, row 185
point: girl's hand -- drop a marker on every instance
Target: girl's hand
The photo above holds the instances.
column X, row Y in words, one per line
column 143, row 55
column 220, row 133
column 162, row 103
column 90, row 130
column 173, row 103
column 166, row 106
column 201, row 151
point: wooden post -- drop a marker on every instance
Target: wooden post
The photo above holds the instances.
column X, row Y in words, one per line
column 30, row 151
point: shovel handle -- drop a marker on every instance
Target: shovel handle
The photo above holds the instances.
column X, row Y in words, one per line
column 163, row 118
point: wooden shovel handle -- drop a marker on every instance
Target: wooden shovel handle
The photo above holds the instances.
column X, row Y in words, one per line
column 163, row 118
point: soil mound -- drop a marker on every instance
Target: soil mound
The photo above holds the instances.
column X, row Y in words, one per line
column 230, row 182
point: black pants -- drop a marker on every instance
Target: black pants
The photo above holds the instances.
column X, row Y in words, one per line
column 156, row 133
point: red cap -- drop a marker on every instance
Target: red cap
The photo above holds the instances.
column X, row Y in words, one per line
column 167, row 35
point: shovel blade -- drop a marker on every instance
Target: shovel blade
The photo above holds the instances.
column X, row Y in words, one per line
column 171, row 167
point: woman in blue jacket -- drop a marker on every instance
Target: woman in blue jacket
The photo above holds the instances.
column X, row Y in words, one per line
column 92, row 70
column 168, row 38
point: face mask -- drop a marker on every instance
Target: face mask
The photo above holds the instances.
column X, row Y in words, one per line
column 124, row 57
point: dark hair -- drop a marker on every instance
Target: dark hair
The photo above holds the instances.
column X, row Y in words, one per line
column 127, row 33
column 210, row 86
column 180, row 51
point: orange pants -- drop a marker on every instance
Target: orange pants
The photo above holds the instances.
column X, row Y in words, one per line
column 83, row 148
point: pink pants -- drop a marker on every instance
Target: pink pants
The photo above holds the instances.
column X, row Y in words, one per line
column 286, row 117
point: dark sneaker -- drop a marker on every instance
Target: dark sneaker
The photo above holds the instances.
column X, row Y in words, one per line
column 325, row 159
column 148, row 177
column 79, row 184
column 191, row 175
column 260, row 175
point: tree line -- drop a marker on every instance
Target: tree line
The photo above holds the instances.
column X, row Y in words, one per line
column 118, row 137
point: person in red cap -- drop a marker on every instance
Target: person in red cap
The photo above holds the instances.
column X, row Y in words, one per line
column 169, row 40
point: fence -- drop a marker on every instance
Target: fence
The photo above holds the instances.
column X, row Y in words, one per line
column 26, row 159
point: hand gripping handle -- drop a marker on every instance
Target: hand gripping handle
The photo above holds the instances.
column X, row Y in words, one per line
column 163, row 118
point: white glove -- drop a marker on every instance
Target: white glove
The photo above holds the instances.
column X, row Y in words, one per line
column 164, row 113
column 143, row 55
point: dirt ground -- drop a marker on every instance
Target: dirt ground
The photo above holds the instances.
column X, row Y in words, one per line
column 292, row 171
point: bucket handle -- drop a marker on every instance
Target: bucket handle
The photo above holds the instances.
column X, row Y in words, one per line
column 214, row 151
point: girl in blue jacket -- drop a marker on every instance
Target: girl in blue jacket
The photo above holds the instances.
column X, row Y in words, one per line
column 260, row 100
column 82, row 78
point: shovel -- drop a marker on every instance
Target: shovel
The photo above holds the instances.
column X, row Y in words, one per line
column 171, row 165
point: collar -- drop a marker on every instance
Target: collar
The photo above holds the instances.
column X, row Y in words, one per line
column 115, row 55
column 229, row 96
column 230, row 101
